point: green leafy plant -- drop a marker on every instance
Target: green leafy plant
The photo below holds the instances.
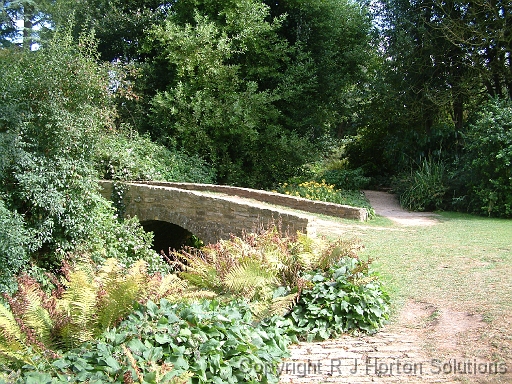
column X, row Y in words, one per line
column 487, row 162
column 14, row 241
column 206, row 342
column 262, row 268
column 322, row 191
column 424, row 188
column 123, row 154
column 346, row 297
column 87, row 302
column 266, row 269
column 345, row 179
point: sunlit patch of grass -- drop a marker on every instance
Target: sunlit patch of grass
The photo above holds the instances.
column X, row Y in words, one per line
column 464, row 262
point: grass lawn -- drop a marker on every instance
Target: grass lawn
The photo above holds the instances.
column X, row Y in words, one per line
column 461, row 267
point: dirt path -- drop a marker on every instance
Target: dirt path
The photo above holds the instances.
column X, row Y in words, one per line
column 386, row 204
column 422, row 345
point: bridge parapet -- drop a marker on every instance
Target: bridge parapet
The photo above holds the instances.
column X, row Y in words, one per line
column 299, row 203
column 209, row 217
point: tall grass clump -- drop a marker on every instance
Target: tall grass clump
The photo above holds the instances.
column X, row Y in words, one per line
column 424, row 188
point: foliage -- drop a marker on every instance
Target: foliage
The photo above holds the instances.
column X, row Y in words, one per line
column 476, row 27
column 126, row 155
column 124, row 240
column 486, row 164
column 54, row 104
column 216, row 107
column 424, row 188
column 269, row 271
column 251, row 86
column 119, row 25
column 266, row 269
column 159, row 343
column 325, row 192
column 55, row 107
column 421, row 91
column 14, row 239
column 345, row 297
column 334, row 169
column 85, row 303
column 322, row 82
column 21, row 22
column 345, row 179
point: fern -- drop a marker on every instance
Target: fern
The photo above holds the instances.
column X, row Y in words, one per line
column 259, row 266
column 336, row 251
column 170, row 286
column 12, row 340
column 121, row 291
column 278, row 306
column 86, row 302
column 203, row 270
column 76, row 309
column 252, row 280
column 35, row 315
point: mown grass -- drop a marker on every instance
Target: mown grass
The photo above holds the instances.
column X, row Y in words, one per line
column 464, row 263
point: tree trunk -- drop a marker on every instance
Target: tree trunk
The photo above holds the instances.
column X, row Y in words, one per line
column 28, row 15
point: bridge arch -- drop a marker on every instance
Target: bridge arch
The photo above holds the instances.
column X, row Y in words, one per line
column 209, row 216
column 167, row 236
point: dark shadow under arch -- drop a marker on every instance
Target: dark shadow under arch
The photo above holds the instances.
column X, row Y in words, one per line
column 167, row 235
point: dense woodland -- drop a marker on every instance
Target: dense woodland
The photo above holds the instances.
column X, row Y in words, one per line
column 403, row 94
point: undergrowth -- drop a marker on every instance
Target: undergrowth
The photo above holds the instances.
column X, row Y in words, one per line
column 345, row 298
column 267, row 269
column 322, row 191
column 37, row 325
column 226, row 316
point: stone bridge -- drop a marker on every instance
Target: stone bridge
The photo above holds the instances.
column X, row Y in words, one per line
column 213, row 212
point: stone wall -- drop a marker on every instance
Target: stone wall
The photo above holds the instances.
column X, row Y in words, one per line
column 321, row 207
column 207, row 216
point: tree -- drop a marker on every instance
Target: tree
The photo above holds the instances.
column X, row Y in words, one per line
column 332, row 54
column 424, row 91
column 481, row 29
column 227, row 61
column 298, row 66
column 22, row 21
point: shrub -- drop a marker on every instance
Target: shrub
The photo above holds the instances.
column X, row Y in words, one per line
column 322, row 288
column 346, row 297
column 326, row 192
column 55, row 102
column 88, row 301
column 125, row 240
column 266, row 269
column 125, row 155
column 14, row 241
column 263, row 269
column 487, row 161
column 424, row 188
column 56, row 107
column 345, row 179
